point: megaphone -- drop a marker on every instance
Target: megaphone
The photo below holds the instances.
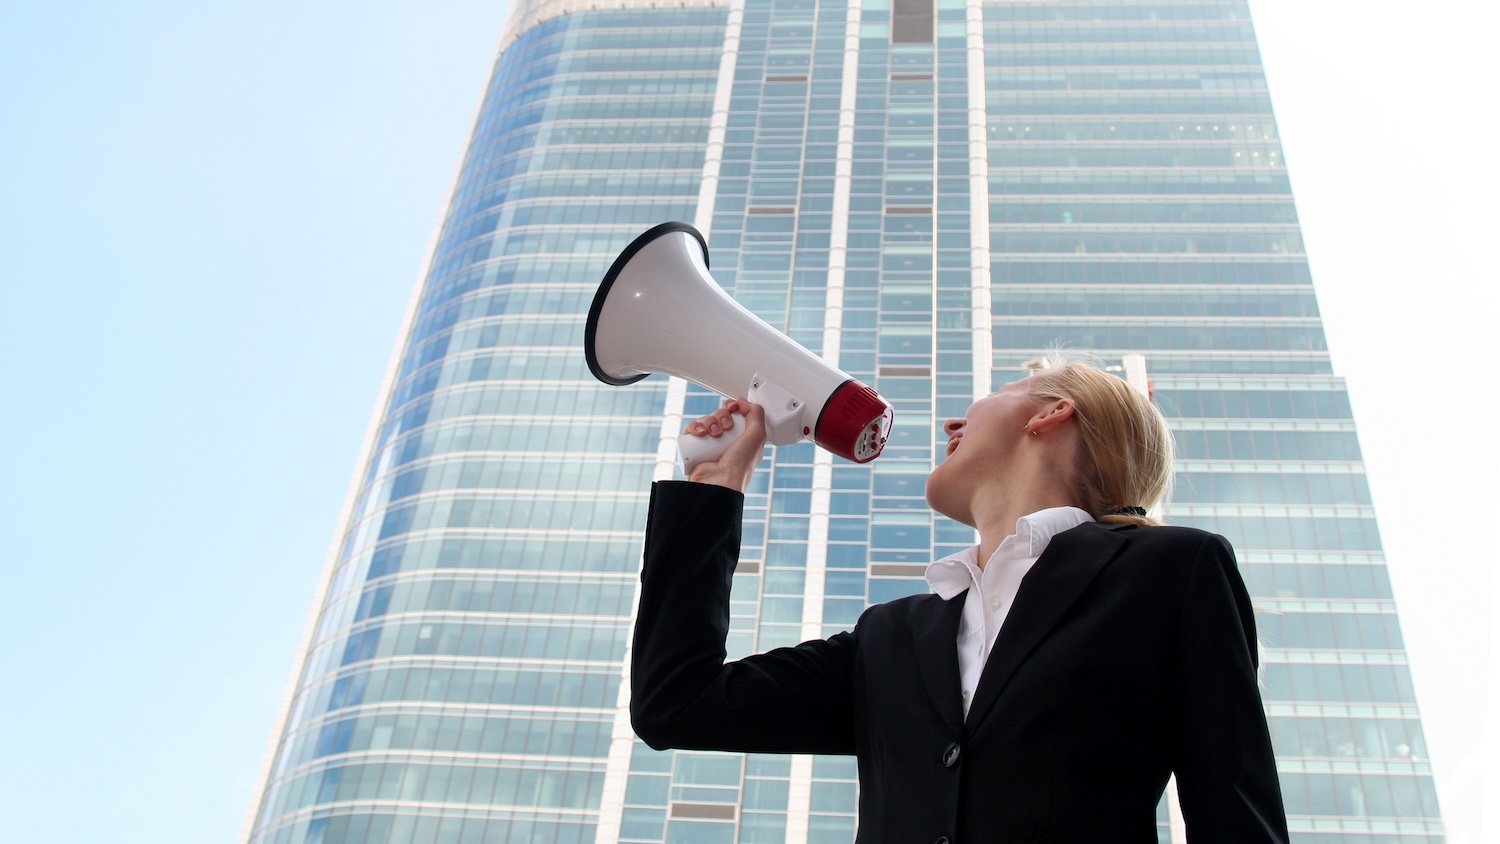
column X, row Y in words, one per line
column 658, row 310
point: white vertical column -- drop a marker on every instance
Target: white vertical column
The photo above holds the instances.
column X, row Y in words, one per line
column 1136, row 375
column 979, row 204
column 799, row 792
column 1177, row 825
column 622, row 735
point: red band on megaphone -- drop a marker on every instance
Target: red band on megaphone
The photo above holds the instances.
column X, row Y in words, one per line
column 855, row 423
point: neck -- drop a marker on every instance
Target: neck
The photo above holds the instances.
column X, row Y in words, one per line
column 997, row 522
column 1039, row 482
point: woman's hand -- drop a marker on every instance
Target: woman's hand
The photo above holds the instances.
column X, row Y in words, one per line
column 735, row 466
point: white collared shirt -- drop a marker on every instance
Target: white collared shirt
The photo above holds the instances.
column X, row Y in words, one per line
column 992, row 590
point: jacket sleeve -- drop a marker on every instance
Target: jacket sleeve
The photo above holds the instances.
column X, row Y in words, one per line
column 682, row 693
column 1226, row 771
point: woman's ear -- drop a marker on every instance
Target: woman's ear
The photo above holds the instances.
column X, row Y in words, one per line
column 1052, row 414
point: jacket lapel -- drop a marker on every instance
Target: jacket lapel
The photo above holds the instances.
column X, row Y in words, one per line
column 1058, row 578
column 934, row 626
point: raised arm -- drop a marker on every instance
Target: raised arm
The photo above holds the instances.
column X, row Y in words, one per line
column 682, row 694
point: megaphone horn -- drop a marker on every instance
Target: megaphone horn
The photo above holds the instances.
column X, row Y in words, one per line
column 659, row 310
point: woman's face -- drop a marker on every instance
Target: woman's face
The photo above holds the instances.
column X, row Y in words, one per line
column 980, row 446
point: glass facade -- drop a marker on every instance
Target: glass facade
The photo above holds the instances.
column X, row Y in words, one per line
column 928, row 192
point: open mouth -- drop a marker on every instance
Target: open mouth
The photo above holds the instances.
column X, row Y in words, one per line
column 953, row 446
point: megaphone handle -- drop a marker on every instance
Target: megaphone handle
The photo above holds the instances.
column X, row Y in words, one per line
column 693, row 450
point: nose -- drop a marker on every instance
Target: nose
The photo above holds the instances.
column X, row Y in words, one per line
column 953, row 426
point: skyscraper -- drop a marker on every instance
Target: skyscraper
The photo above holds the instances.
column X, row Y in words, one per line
column 929, row 193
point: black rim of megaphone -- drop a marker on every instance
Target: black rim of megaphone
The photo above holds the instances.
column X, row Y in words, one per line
column 609, row 281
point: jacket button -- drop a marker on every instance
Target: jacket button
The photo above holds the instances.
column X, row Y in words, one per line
column 950, row 755
column 942, row 839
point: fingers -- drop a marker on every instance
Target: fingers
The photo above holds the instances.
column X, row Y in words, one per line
column 717, row 423
column 734, row 466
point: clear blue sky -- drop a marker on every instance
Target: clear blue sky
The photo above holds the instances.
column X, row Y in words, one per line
column 213, row 218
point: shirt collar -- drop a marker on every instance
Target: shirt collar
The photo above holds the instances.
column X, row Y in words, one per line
column 1034, row 532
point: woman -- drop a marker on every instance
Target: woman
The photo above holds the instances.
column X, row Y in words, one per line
column 1058, row 674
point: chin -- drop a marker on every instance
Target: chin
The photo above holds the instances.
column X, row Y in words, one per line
column 943, row 505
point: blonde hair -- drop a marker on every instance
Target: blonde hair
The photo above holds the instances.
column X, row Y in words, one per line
column 1126, row 459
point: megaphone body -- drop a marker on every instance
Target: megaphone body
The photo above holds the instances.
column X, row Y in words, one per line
column 659, row 310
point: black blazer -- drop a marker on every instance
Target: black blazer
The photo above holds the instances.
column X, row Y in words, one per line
column 1129, row 655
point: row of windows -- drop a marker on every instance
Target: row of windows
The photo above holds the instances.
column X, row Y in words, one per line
column 444, row 733
column 630, row 436
column 1265, row 488
column 626, row 133
column 1109, row 301
column 1355, row 683
column 1329, row 630
column 1289, row 532
column 1359, row 795
column 1340, row 737
column 1243, row 362
column 527, row 78
column 567, row 187
column 438, row 310
column 1007, row 335
column 532, row 786
column 485, row 685
column 521, row 110
column 1213, row 55
column 1097, row 183
column 1062, row 269
column 1306, row 837
column 388, row 828
column 674, row 61
column 599, row 109
column 635, row 36
column 674, row 19
column 629, row 85
column 1180, row 131
column 444, row 284
column 550, row 473
column 1086, row 212
column 1132, row 155
column 1175, row 241
column 1003, row 32
column 524, row 512
column 498, row 639
column 1092, row 12
column 571, row 241
column 651, row 826
column 1267, row 445
column 653, row 158
column 482, row 333
column 572, row 597
column 569, row 395
column 517, row 137
column 1229, row 107
column 629, row 212
column 1124, row 80
column 1314, row 581
column 488, row 642
column 829, row 13
column 508, row 553
column 560, row 330
column 1254, row 404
